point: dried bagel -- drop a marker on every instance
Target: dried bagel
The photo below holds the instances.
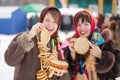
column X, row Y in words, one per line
column 45, row 36
column 57, row 67
column 58, row 64
column 42, row 75
column 81, row 45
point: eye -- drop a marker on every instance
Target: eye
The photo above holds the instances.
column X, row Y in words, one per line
column 54, row 22
column 47, row 20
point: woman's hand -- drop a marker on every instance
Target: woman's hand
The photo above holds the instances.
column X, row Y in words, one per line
column 35, row 30
column 71, row 47
column 95, row 50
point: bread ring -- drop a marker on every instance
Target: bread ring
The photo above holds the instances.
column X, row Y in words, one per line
column 57, row 67
column 41, row 75
column 45, row 36
column 58, row 64
column 81, row 45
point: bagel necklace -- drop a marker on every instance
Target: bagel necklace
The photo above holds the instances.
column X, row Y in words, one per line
column 47, row 58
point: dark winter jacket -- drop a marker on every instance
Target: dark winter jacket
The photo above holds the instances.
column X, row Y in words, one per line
column 106, row 67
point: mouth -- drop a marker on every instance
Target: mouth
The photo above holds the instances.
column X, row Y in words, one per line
column 49, row 29
column 83, row 33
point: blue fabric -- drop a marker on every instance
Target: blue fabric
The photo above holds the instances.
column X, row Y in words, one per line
column 99, row 39
column 81, row 67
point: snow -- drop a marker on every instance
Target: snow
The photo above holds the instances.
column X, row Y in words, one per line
column 6, row 12
column 6, row 71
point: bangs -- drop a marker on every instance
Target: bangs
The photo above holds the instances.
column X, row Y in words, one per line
column 56, row 15
column 83, row 16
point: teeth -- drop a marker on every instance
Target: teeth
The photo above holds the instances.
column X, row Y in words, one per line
column 82, row 32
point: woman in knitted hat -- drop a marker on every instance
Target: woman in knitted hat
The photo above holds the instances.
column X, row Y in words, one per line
column 27, row 49
column 103, row 63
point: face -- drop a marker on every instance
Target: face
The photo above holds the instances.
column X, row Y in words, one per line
column 83, row 28
column 50, row 23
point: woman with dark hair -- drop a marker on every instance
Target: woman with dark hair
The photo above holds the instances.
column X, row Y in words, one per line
column 103, row 52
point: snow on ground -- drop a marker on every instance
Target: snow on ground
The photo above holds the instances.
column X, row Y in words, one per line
column 6, row 72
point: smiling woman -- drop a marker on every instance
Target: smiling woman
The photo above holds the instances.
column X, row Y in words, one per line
column 30, row 52
column 100, row 62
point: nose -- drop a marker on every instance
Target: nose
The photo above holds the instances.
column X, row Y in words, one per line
column 50, row 25
column 82, row 26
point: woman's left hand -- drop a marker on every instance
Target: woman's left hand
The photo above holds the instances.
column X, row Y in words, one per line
column 95, row 50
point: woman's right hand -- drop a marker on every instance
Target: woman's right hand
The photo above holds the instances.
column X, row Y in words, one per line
column 35, row 30
column 71, row 47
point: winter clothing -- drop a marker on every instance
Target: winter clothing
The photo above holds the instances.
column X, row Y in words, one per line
column 23, row 55
column 118, row 34
column 106, row 67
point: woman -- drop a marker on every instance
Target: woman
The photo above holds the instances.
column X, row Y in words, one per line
column 23, row 51
column 105, row 53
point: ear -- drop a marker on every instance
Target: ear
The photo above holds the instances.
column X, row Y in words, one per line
column 106, row 34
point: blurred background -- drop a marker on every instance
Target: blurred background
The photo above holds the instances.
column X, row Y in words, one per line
column 19, row 15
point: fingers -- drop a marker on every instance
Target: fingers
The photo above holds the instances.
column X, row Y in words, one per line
column 93, row 45
column 72, row 40
column 71, row 45
column 97, row 54
column 39, row 27
column 35, row 30
column 95, row 50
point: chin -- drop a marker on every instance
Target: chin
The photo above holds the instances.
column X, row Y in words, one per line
column 83, row 35
column 51, row 33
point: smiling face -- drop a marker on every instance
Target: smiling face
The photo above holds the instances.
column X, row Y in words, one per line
column 51, row 19
column 83, row 24
column 50, row 23
column 83, row 28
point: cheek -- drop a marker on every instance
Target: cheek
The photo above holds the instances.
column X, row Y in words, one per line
column 77, row 28
column 54, row 28
column 45, row 24
column 89, row 30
